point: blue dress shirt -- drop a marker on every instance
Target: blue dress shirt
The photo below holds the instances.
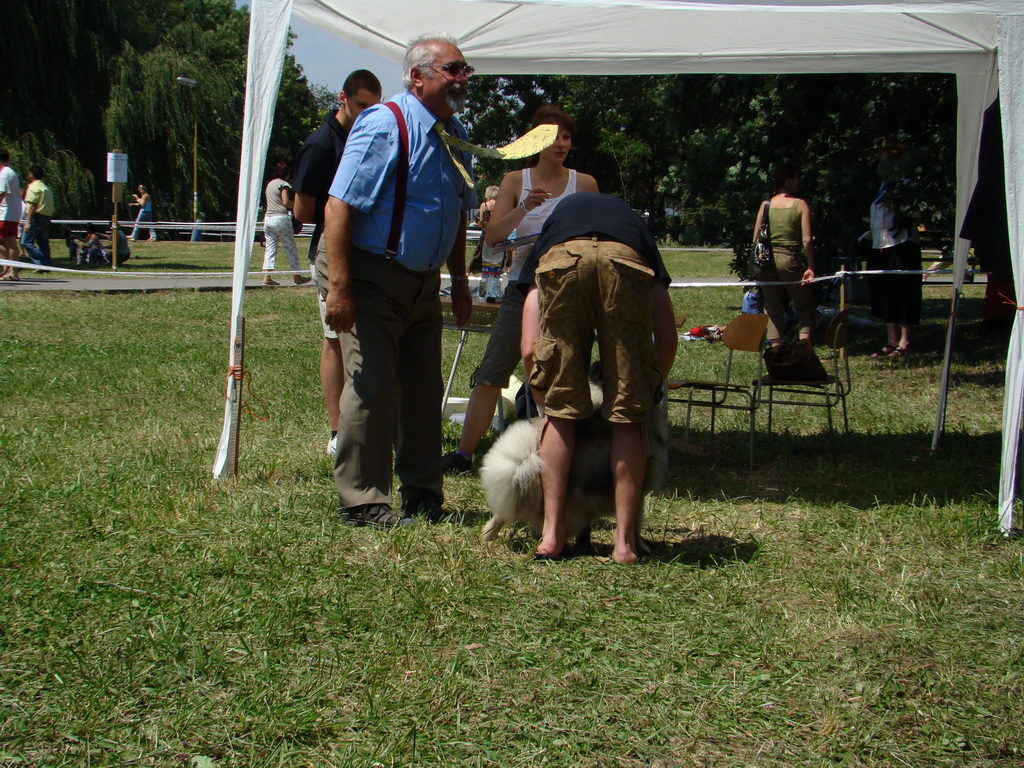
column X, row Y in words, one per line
column 437, row 193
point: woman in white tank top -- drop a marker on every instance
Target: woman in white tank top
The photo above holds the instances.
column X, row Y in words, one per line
column 534, row 219
column 525, row 200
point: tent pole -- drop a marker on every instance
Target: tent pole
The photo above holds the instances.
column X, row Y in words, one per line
column 268, row 41
column 236, row 372
column 947, row 357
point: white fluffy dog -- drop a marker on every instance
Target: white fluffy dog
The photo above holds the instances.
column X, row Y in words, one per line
column 511, row 470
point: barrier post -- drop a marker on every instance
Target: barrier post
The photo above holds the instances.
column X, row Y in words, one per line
column 116, row 197
column 117, row 175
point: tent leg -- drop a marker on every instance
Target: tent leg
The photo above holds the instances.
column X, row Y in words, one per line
column 940, row 416
column 237, row 372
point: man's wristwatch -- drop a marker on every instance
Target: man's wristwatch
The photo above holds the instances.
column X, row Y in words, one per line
column 459, row 279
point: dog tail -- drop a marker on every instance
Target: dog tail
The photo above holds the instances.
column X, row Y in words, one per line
column 510, row 472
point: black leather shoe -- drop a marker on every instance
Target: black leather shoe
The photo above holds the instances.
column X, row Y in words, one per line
column 373, row 515
column 428, row 508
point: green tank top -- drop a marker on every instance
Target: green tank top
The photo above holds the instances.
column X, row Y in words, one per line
column 785, row 225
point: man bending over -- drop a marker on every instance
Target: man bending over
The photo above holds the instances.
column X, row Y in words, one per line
column 596, row 271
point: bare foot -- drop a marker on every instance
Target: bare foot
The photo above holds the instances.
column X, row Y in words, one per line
column 625, row 555
column 550, row 549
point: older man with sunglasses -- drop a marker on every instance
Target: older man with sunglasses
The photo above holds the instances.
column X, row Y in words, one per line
column 383, row 286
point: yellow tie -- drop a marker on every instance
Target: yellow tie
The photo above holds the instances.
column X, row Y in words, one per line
column 541, row 137
column 449, row 141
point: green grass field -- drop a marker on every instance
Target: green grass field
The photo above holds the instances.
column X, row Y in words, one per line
column 854, row 608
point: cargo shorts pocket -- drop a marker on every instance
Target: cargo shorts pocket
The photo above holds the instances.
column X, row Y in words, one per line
column 545, row 360
column 628, row 290
column 556, row 274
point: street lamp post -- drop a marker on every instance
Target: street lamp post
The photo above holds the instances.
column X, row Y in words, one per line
column 189, row 82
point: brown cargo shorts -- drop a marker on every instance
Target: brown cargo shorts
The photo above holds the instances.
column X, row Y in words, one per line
column 589, row 290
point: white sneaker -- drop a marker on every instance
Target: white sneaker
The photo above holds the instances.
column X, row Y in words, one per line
column 332, row 446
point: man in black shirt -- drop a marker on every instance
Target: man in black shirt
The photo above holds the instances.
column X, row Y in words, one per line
column 595, row 270
column 312, row 173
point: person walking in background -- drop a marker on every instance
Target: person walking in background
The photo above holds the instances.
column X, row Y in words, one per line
column 10, row 215
column 38, row 215
column 145, row 202
column 789, row 221
column 383, row 285
column 525, row 200
column 277, row 224
column 895, row 299
column 313, row 171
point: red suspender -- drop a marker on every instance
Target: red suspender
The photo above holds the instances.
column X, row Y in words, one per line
column 401, row 183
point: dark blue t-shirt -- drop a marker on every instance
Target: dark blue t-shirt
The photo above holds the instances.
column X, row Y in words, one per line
column 594, row 214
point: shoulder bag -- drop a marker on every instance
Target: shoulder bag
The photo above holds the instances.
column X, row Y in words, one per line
column 761, row 255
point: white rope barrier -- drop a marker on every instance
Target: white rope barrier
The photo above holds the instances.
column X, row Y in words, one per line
column 820, row 279
column 21, row 266
column 25, row 265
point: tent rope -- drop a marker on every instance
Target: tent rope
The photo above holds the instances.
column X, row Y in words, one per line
column 237, row 373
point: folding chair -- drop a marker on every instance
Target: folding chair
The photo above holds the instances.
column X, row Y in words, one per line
column 744, row 334
column 827, row 393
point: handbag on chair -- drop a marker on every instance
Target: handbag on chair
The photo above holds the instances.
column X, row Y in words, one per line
column 794, row 362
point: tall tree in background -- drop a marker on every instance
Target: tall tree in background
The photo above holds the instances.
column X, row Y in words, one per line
column 151, row 114
column 100, row 74
column 704, row 145
column 59, row 56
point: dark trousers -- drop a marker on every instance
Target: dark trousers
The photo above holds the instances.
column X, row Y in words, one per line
column 393, row 384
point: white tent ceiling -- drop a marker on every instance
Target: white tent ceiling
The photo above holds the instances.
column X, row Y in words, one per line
column 674, row 36
column 596, row 38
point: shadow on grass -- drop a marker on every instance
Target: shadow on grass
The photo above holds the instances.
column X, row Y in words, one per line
column 702, row 550
column 682, row 546
column 861, row 470
column 887, row 459
column 973, row 342
column 705, row 550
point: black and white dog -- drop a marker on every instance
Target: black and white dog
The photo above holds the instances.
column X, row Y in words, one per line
column 511, row 470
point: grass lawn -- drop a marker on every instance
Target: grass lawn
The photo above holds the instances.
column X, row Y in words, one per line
column 846, row 609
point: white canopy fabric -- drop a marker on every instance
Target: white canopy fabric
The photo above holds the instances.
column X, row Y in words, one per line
column 679, row 36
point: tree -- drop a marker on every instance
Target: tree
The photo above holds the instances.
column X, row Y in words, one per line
column 116, row 86
column 704, row 145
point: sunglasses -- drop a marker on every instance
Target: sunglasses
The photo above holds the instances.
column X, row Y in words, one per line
column 456, row 68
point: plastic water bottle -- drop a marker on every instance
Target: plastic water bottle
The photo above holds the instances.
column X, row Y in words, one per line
column 490, row 277
column 490, row 283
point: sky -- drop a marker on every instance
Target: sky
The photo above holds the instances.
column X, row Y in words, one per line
column 328, row 60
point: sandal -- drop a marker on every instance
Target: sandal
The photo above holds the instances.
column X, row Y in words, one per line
column 886, row 351
column 899, row 352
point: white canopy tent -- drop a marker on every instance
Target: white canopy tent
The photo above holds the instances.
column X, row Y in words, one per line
column 980, row 41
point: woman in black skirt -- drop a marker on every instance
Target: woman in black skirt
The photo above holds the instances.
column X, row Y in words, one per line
column 895, row 299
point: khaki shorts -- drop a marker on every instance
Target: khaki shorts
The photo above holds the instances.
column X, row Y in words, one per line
column 320, row 275
column 592, row 288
